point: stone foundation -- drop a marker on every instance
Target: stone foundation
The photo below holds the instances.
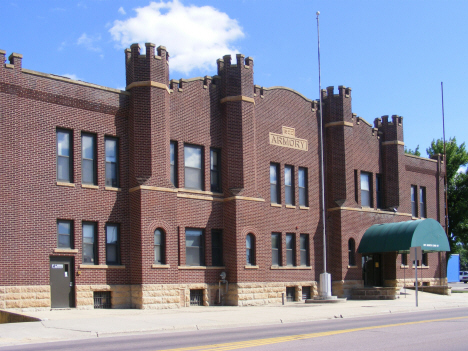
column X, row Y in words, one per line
column 410, row 282
column 121, row 295
column 25, row 298
column 255, row 294
column 343, row 288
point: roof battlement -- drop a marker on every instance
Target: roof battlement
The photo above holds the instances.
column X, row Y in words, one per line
column 342, row 92
column 14, row 58
column 241, row 61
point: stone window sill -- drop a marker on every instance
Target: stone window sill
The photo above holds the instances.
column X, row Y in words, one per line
column 251, row 267
column 100, row 266
column 419, row 267
column 276, row 205
column 68, row 251
column 160, row 266
column 192, row 267
column 290, row 206
column 71, row 185
column 291, row 267
column 110, row 188
column 303, row 207
column 193, row 191
column 90, row 186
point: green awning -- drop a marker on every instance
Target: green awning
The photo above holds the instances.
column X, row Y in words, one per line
column 391, row 237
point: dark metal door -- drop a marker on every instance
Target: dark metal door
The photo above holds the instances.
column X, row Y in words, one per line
column 290, row 292
column 62, row 292
column 372, row 270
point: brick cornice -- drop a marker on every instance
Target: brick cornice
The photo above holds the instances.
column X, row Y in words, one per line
column 148, row 83
column 237, row 98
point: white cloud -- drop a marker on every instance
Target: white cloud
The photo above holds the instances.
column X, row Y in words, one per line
column 71, row 76
column 89, row 42
column 194, row 36
column 462, row 169
column 121, row 10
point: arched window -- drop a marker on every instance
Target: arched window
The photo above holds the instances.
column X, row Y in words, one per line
column 351, row 252
column 159, row 246
column 250, row 249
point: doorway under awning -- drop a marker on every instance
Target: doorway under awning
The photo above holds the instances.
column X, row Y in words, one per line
column 400, row 237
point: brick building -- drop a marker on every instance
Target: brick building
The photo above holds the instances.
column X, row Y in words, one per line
column 143, row 198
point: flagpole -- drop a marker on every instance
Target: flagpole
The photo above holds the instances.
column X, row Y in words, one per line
column 445, row 158
column 325, row 278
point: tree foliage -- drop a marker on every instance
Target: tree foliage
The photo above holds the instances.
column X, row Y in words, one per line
column 414, row 152
column 457, row 189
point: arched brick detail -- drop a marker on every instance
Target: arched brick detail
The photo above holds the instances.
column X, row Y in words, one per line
column 158, row 224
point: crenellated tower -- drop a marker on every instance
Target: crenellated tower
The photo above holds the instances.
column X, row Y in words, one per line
column 338, row 130
column 147, row 79
column 392, row 151
column 238, row 108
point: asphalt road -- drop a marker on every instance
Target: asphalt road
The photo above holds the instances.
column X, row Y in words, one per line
column 429, row 330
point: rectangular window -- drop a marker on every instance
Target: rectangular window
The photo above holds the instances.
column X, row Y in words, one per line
column 414, row 204
column 289, row 185
column 275, row 190
column 275, row 249
column 303, row 188
column 366, row 200
column 112, row 162
column 173, row 151
column 89, row 243
column 217, row 248
column 64, row 234
column 404, row 259
column 194, row 247
column 215, row 170
column 290, row 250
column 356, row 186
column 64, row 156
column 378, row 191
column 193, row 167
column 88, row 159
column 112, row 244
column 422, row 202
column 304, row 247
column 425, row 260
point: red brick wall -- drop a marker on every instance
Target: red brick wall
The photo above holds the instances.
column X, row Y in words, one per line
column 145, row 120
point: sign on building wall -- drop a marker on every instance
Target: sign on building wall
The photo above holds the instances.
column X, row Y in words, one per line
column 288, row 139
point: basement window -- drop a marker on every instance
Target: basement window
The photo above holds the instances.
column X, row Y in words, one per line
column 102, row 299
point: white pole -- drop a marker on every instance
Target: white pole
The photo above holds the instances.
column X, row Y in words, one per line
column 325, row 278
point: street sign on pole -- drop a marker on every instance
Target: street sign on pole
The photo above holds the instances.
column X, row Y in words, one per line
column 415, row 256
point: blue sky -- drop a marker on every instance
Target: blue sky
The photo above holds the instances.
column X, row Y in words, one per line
column 392, row 54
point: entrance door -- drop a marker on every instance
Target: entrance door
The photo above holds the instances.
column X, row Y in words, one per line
column 372, row 270
column 62, row 292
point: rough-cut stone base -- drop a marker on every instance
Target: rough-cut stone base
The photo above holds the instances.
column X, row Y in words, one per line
column 411, row 281
column 25, row 298
column 120, row 295
column 343, row 288
column 255, row 294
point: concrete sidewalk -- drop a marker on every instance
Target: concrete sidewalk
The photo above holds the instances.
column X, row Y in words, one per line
column 58, row 325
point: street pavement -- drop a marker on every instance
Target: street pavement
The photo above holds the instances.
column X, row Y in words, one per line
column 70, row 324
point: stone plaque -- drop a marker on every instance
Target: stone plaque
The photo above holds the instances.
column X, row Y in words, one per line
column 288, row 139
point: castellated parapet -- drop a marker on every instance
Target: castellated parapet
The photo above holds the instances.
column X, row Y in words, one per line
column 153, row 66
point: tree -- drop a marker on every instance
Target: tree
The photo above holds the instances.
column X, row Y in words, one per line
column 457, row 189
column 414, row 152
